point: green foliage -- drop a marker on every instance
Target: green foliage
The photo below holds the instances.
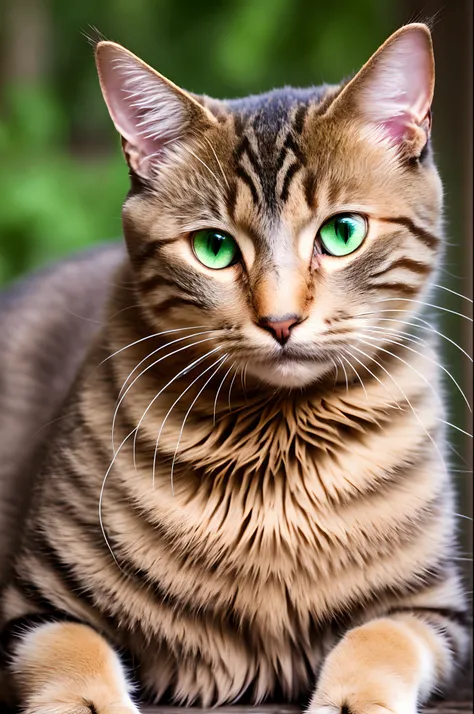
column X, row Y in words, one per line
column 62, row 177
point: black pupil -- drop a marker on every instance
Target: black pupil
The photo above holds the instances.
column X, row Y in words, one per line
column 343, row 230
column 214, row 242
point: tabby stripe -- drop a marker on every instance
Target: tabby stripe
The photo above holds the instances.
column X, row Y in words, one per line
column 429, row 239
column 460, row 617
column 300, row 116
column 155, row 281
column 177, row 301
column 33, row 594
column 49, row 557
column 292, row 170
column 291, row 145
column 401, row 288
column 309, row 188
column 415, row 266
column 146, row 251
column 245, row 148
column 245, row 177
column 232, row 199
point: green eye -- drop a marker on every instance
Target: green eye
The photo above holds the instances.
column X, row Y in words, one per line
column 344, row 233
column 214, row 249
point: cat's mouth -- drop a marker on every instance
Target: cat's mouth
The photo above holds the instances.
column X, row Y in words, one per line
column 290, row 369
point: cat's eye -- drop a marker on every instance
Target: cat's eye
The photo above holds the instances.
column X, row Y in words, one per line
column 343, row 234
column 215, row 249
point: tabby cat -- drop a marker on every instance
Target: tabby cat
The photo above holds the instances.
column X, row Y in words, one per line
column 244, row 497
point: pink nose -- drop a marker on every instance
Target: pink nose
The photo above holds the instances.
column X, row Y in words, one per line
column 280, row 328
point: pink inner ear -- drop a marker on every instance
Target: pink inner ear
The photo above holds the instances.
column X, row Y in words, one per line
column 399, row 87
column 144, row 109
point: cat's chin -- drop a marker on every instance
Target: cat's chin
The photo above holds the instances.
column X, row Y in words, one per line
column 289, row 374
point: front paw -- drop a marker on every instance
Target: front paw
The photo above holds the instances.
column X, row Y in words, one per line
column 369, row 692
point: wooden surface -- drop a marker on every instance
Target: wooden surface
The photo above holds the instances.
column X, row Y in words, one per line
column 438, row 708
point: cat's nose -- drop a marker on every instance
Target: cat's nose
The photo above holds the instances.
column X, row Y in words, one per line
column 280, row 327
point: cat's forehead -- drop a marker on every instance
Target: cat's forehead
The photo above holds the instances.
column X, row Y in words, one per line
column 268, row 113
column 265, row 150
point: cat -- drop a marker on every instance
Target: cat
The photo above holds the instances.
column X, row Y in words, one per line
column 243, row 496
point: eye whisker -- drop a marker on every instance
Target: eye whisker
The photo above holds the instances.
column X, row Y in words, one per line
column 218, row 162
column 204, row 164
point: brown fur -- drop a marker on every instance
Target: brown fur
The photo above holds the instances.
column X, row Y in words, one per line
column 253, row 522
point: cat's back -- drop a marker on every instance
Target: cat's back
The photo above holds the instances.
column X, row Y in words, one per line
column 47, row 321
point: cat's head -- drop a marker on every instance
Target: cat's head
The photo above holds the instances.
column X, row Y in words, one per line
column 302, row 224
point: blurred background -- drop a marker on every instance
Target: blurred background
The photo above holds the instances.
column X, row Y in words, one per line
column 62, row 178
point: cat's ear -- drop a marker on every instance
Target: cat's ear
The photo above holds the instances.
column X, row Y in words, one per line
column 151, row 113
column 393, row 91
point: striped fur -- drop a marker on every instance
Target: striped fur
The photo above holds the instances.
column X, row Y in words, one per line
column 233, row 520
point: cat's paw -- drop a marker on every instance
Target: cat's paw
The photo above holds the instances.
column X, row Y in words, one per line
column 359, row 702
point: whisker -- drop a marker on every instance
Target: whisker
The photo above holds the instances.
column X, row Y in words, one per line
column 398, row 334
column 374, row 376
column 400, row 359
column 345, row 373
column 230, row 388
column 453, row 426
column 219, row 363
column 204, row 164
column 149, row 337
column 335, row 371
column 442, row 287
column 420, row 354
column 162, row 347
column 429, row 304
column 218, row 162
column 356, row 373
column 153, row 364
column 155, row 453
column 427, row 326
column 218, row 391
column 101, row 499
column 415, row 414
column 158, row 394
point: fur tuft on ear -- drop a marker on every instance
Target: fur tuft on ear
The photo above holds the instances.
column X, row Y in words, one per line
column 393, row 91
column 151, row 113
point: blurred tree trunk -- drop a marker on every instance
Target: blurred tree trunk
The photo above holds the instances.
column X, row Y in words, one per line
column 25, row 34
column 452, row 138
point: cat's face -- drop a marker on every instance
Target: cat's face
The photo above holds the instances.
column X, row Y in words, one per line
column 302, row 225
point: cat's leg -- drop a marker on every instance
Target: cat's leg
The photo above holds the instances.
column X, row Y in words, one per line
column 68, row 668
column 390, row 665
